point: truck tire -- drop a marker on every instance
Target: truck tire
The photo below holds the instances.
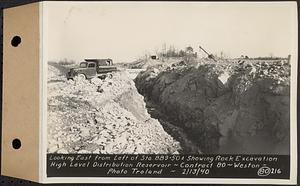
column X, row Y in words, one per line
column 81, row 77
column 109, row 76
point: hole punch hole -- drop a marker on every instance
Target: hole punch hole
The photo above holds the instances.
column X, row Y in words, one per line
column 16, row 143
column 16, row 41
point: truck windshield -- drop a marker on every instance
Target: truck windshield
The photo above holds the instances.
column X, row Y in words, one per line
column 83, row 65
column 92, row 65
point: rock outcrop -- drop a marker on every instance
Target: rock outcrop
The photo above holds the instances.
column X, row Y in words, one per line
column 225, row 108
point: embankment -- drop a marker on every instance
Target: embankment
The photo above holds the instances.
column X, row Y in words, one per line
column 102, row 116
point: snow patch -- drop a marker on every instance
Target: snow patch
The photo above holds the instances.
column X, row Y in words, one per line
column 224, row 77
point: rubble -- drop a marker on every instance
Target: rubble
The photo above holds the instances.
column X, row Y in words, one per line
column 102, row 116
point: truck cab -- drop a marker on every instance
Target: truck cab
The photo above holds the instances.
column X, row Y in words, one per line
column 91, row 68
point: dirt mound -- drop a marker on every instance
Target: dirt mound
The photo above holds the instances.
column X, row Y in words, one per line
column 157, row 63
column 103, row 116
column 226, row 108
column 144, row 63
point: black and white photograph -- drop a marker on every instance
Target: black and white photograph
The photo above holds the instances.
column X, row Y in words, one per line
column 150, row 92
column 155, row 78
column 169, row 78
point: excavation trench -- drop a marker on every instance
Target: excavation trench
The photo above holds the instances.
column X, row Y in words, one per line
column 221, row 108
column 178, row 133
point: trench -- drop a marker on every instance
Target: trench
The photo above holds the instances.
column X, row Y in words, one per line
column 254, row 121
column 188, row 146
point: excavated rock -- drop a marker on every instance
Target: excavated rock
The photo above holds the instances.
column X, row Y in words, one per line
column 225, row 108
column 83, row 119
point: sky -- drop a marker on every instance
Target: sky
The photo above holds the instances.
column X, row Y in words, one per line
column 125, row 31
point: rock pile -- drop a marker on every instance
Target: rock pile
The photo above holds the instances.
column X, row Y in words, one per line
column 103, row 116
column 226, row 108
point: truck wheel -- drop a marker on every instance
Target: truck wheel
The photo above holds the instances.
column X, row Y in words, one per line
column 109, row 76
column 81, row 77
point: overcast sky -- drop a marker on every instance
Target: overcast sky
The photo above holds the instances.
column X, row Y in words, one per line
column 125, row 31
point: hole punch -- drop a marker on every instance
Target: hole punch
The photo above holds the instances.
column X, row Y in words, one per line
column 16, row 143
column 16, row 40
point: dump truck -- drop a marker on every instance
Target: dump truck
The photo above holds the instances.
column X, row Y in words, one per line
column 91, row 68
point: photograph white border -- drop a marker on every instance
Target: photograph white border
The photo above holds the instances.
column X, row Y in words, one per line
column 43, row 119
